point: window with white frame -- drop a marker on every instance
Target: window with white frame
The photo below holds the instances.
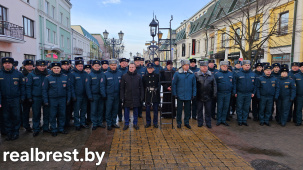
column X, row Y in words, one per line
column 68, row 43
column 53, row 12
column 46, row 7
column 257, row 31
column 62, row 41
column 61, row 17
column 28, row 27
column 55, row 37
column 237, row 36
column 283, row 23
column 48, row 34
column 223, row 39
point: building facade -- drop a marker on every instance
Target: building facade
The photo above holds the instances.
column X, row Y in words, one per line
column 93, row 43
column 81, row 46
column 18, row 29
column 54, row 37
column 219, row 31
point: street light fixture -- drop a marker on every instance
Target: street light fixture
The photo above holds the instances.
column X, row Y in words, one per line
column 131, row 54
column 138, row 54
column 153, row 30
column 113, row 42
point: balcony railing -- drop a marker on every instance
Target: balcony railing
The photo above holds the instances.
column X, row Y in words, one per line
column 11, row 30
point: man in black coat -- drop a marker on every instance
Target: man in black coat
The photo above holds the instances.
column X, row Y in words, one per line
column 151, row 86
column 131, row 94
column 206, row 92
column 167, row 76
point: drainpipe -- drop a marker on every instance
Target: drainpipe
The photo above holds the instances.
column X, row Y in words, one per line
column 294, row 32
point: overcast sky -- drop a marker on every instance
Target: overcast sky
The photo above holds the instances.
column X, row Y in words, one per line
column 132, row 17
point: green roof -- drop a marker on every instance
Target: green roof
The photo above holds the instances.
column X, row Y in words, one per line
column 181, row 35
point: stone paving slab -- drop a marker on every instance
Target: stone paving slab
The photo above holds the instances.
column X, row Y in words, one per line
column 166, row 148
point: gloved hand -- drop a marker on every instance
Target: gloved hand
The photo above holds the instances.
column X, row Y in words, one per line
column 46, row 104
column 74, row 99
column 91, row 100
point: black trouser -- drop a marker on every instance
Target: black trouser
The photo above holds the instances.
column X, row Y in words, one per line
column 207, row 106
column 213, row 108
column 292, row 111
column 255, row 108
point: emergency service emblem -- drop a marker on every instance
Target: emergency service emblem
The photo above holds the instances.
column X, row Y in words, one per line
column 15, row 82
column 64, row 85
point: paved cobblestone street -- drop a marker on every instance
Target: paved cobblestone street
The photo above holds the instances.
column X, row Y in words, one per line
column 233, row 147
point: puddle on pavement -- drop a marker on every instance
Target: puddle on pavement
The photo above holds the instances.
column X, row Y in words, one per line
column 261, row 164
column 268, row 152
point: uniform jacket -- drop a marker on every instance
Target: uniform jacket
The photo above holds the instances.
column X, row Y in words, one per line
column 141, row 71
column 131, row 89
column 224, row 80
column 206, row 86
column 184, row 85
column 12, row 85
column 78, row 79
column 292, row 74
column 277, row 75
column 299, row 83
column 287, row 88
column 123, row 70
column 93, row 82
column 267, row 86
column 167, row 76
column 244, row 82
column 55, row 86
column 111, row 83
column 151, row 85
column 213, row 70
column 258, row 74
column 194, row 69
column 34, row 83
column 158, row 68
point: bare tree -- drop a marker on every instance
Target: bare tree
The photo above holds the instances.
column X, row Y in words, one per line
column 252, row 24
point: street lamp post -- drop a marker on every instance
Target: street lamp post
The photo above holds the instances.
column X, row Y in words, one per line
column 153, row 31
column 113, row 41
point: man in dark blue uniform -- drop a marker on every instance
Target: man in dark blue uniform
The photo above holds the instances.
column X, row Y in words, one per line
column 184, row 89
column 79, row 97
column 142, row 61
column 267, row 92
column 111, row 86
column 237, row 66
column 213, row 70
column 93, row 92
column 141, row 71
column 157, row 66
column 287, row 95
column 299, row 83
column 206, row 91
column 224, row 80
column 255, row 102
column 56, row 94
column 88, row 69
column 12, row 86
column 293, row 107
column 104, row 67
column 276, row 73
column 244, row 90
column 34, row 94
column 69, row 108
column 123, row 68
column 26, row 106
column 194, row 69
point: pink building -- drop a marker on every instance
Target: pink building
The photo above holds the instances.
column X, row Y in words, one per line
column 18, row 29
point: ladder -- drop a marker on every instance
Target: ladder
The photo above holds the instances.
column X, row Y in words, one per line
column 162, row 102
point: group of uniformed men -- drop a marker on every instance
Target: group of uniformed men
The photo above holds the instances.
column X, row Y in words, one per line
column 98, row 91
